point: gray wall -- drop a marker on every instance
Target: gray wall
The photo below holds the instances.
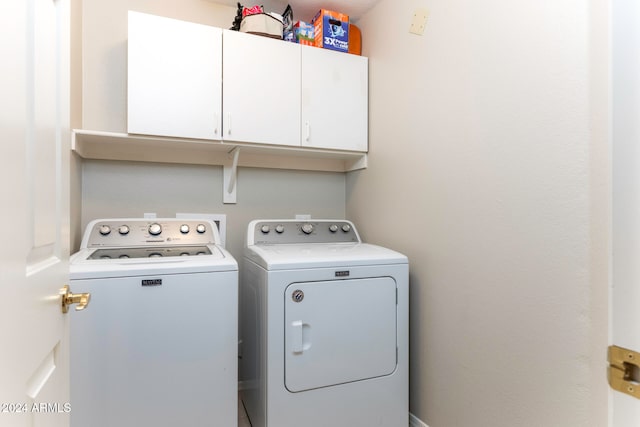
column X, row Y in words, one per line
column 121, row 189
column 488, row 168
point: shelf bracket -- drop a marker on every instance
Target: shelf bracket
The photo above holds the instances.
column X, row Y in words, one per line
column 230, row 173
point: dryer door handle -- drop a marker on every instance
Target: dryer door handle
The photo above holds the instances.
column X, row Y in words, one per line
column 296, row 336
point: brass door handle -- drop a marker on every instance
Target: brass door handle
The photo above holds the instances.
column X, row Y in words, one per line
column 69, row 299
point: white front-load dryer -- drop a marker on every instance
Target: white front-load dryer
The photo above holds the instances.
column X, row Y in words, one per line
column 323, row 327
column 157, row 344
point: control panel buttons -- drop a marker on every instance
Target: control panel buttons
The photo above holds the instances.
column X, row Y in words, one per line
column 303, row 230
column 155, row 229
column 153, row 232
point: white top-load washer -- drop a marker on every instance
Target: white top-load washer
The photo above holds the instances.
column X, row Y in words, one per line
column 157, row 345
column 323, row 327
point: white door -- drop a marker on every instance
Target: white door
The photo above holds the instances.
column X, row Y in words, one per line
column 625, row 305
column 339, row 331
column 335, row 99
column 34, row 132
column 261, row 89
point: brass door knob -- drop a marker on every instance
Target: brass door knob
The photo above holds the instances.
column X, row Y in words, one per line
column 69, row 299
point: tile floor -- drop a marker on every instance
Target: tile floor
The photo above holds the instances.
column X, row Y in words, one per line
column 243, row 420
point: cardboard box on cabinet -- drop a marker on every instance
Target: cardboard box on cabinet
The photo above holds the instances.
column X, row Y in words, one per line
column 262, row 24
column 304, row 33
column 331, row 30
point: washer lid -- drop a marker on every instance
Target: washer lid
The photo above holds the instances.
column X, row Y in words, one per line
column 297, row 256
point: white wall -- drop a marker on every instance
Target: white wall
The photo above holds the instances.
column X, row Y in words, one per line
column 488, row 168
column 481, row 169
column 625, row 292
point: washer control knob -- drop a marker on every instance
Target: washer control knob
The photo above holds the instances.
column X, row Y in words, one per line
column 201, row 228
column 279, row 228
column 155, row 229
column 105, row 230
column 184, row 228
column 307, row 228
column 346, row 228
column 265, row 229
column 333, row 228
column 123, row 230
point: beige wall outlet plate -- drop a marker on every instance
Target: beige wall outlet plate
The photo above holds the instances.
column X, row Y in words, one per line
column 419, row 21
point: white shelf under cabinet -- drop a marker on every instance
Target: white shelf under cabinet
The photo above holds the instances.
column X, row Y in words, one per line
column 122, row 146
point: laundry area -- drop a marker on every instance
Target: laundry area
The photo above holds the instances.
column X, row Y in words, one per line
column 399, row 217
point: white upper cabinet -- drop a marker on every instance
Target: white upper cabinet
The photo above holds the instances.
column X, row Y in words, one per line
column 334, row 100
column 261, row 92
column 174, row 78
column 194, row 81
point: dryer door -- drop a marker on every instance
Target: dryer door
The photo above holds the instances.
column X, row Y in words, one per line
column 339, row 331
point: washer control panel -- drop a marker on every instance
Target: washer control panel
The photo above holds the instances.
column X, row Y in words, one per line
column 307, row 231
column 150, row 232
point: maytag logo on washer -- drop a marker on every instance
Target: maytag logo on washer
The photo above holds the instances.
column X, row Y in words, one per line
column 343, row 273
column 151, row 282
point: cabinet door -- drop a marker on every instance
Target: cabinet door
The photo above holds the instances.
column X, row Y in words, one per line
column 175, row 78
column 261, row 91
column 334, row 100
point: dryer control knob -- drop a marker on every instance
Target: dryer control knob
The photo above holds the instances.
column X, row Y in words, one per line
column 155, row 229
column 184, row 228
column 201, row 228
column 346, row 228
column 279, row 228
column 105, row 230
column 265, row 229
column 123, row 230
column 333, row 228
column 307, row 228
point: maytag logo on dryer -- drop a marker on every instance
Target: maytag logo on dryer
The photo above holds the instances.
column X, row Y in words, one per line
column 342, row 273
column 151, row 282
